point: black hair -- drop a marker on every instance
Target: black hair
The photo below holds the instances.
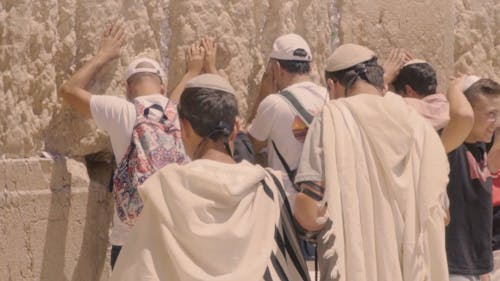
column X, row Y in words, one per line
column 420, row 76
column 212, row 113
column 295, row 66
column 485, row 86
column 370, row 71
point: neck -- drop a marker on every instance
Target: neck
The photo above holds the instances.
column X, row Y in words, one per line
column 214, row 151
column 145, row 90
column 362, row 87
column 296, row 78
column 470, row 139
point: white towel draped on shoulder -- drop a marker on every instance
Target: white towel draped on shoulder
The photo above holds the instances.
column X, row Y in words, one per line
column 386, row 173
column 208, row 221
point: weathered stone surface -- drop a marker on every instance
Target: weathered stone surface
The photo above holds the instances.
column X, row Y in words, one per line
column 42, row 44
column 245, row 31
column 423, row 26
column 54, row 220
column 477, row 38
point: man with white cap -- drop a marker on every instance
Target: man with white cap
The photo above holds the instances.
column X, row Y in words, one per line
column 117, row 116
column 372, row 177
column 213, row 218
column 275, row 121
column 284, row 109
column 469, row 234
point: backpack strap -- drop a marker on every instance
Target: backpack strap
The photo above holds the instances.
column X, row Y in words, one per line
column 305, row 115
column 143, row 112
column 289, row 171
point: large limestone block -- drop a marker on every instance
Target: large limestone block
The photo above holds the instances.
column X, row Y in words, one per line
column 54, row 218
column 42, row 44
column 477, row 37
column 423, row 26
column 245, row 31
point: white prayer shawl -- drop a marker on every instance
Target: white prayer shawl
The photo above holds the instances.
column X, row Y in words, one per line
column 207, row 221
column 386, row 173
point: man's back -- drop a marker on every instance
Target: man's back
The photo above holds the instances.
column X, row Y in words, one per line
column 277, row 121
column 117, row 117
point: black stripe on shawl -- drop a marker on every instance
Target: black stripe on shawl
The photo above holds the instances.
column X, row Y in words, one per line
column 277, row 267
column 267, row 190
column 293, row 256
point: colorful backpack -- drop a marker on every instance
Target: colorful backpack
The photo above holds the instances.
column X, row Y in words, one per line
column 155, row 142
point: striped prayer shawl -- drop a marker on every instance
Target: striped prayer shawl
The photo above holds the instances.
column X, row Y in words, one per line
column 287, row 262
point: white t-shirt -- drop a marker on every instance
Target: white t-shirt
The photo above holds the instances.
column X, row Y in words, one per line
column 276, row 120
column 117, row 117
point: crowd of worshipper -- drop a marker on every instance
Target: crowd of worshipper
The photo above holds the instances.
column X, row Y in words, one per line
column 374, row 176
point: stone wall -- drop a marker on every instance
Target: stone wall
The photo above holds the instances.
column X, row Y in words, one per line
column 54, row 219
column 55, row 211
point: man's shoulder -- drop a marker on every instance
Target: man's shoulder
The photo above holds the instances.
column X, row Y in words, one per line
column 105, row 103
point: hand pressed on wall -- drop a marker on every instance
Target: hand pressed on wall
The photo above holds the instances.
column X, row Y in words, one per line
column 112, row 40
column 195, row 56
column 397, row 58
column 210, row 47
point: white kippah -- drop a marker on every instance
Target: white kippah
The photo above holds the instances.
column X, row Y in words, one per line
column 469, row 80
column 415, row 61
column 210, row 81
column 348, row 55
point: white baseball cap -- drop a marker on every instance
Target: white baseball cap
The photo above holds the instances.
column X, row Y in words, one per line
column 348, row 55
column 133, row 68
column 291, row 47
column 210, row 81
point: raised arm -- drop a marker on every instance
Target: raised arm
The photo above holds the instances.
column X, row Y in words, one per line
column 74, row 90
column 195, row 56
column 461, row 116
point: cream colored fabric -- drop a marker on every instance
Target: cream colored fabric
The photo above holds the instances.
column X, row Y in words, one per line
column 386, row 173
column 210, row 81
column 434, row 108
column 348, row 55
column 202, row 221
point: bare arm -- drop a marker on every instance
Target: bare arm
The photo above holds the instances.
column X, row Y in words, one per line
column 266, row 88
column 461, row 117
column 494, row 153
column 256, row 144
column 73, row 91
column 306, row 210
column 195, row 55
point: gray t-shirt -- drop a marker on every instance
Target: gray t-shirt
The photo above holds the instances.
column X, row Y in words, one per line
column 311, row 166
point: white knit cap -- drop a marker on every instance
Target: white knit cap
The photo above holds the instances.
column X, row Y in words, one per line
column 291, row 47
column 133, row 69
column 348, row 55
column 210, row 81
column 469, row 80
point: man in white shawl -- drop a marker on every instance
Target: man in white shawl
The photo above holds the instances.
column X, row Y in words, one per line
column 373, row 177
column 213, row 218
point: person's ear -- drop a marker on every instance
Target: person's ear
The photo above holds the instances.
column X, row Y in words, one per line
column 163, row 87
column 236, row 129
column 409, row 92
column 330, row 85
column 186, row 128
